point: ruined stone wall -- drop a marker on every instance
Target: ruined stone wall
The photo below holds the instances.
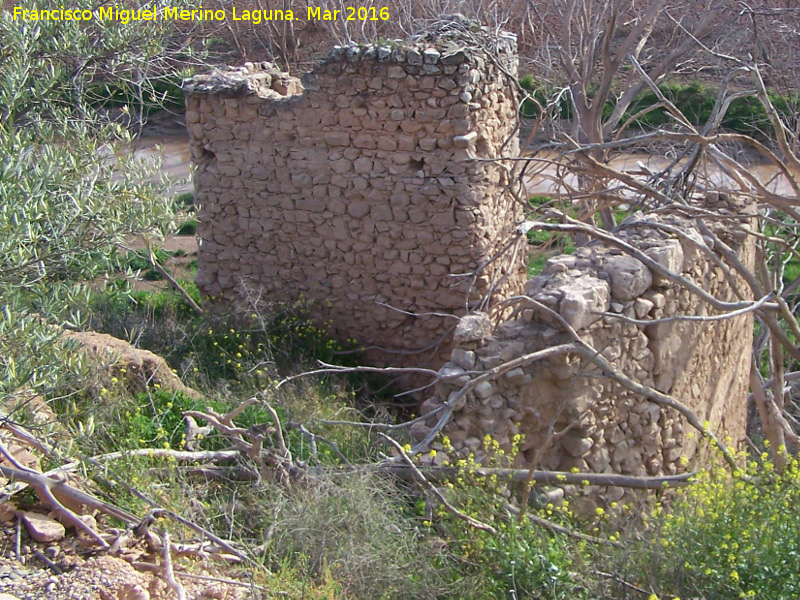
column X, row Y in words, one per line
column 704, row 365
column 359, row 188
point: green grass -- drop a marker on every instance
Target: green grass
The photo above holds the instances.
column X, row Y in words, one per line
column 137, row 261
column 545, row 244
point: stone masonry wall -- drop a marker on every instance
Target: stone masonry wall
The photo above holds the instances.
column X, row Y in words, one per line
column 705, row 365
column 359, row 188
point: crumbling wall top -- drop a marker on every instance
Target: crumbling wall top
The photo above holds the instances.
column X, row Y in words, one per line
column 453, row 40
column 263, row 79
column 450, row 42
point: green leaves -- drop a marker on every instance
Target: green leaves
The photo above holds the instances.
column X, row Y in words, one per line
column 70, row 191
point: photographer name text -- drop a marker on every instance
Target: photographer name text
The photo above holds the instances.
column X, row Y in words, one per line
column 124, row 15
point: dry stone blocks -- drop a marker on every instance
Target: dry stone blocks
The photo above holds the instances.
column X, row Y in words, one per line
column 600, row 292
column 356, row 186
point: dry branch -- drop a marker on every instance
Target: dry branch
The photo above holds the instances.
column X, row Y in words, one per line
column 537, row 520
column 472, row 522
column 548, row 477
column 50, row 490
column 169, row 575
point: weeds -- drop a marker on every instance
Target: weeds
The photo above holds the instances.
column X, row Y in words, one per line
column 343, row 532
column 727, row 537
column 522, row 560
column 354, row 526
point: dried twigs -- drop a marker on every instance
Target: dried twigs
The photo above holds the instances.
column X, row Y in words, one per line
column 570, row 225
column 313, row 437
column 47, row 489
column 537, row 520
column 51, row 490
column 552, row 436
column 552, row 477
column 169, row 576
column 447, row 407
column 327, row 368
column 250, row 441
column 247, row 441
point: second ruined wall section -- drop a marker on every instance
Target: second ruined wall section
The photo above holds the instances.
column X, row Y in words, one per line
column 650, row 328
column 362, row 188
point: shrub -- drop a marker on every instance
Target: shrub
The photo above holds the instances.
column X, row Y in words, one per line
column 523, row 560
column 351, row 526
column 728, row 537
column 63, row 204
column 188, row 228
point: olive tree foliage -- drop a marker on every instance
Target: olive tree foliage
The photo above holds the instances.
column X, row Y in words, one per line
column 68, row 191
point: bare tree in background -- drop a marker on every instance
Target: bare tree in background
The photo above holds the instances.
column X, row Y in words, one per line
column 605, row 63
column 602, row 54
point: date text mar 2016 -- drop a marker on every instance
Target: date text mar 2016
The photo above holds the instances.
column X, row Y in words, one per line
column 349, row 13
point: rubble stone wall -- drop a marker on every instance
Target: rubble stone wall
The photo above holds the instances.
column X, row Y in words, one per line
column 358, row 187
column 368, row 188
column 609, row 298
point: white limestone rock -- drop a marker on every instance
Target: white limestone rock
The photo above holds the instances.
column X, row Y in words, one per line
column 583, row 299
column 670, row 256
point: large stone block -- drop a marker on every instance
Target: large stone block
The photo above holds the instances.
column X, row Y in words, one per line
column 629, row 277
column 584, row 299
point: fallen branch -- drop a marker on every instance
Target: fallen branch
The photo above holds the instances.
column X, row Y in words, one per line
column 169, row 576
column 219, row 580
column 548, row 477
column 337, row 369
column 449, row 507
column 178, row 455
column 47, row 489
column 537, row 520
column 159, row 511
